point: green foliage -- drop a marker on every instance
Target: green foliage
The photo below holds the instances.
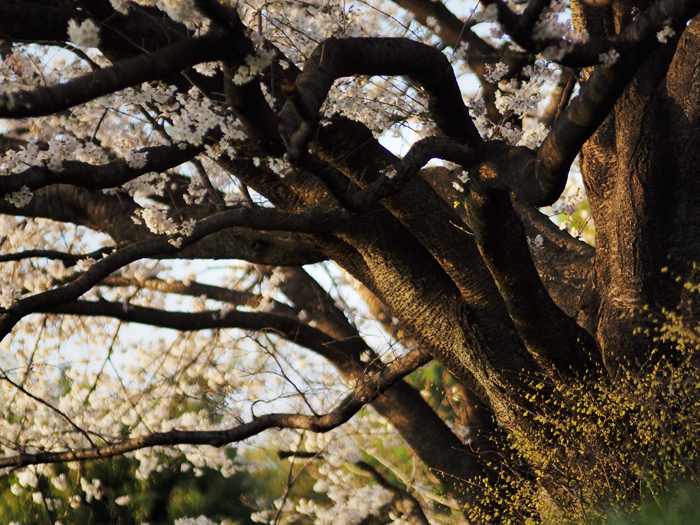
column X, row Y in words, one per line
column 623, row 442
column 680, row 507
column 122, row 498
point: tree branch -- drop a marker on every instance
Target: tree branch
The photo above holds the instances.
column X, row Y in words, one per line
column 364, row 392
column 290, row 328
column 453, row 32
column 551, row 336
column 42, row 101
column 418, row 156
column 91, row 177
column 68, row 259
column 158, row 247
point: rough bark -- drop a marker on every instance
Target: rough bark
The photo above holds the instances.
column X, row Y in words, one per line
column 461, row 282
column 641, row 189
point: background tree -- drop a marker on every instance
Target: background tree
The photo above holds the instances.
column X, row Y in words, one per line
column 138, row 134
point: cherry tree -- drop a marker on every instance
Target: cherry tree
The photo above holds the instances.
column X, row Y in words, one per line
column 374, row 184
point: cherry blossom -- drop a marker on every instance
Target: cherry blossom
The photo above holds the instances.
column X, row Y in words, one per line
column 85, row 34
column 201, row 179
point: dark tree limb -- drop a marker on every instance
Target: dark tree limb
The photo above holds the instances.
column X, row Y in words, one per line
column 91, row 177
column 538, row 180
column 8, row 143
column 159, row 64
column 284, row 454
column 573, row 54
column 290, row 328
column 418, row 156
column 68, row 259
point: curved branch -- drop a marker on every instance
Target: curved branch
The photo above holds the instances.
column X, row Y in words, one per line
column 338, row 58
column 365, row 391
column 280, row 248
column 43, row 101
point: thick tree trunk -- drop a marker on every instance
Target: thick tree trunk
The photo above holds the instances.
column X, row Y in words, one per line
column 643, row 189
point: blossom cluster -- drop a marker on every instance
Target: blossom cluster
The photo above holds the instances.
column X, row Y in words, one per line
column 19, row 198
column 535, row 244
column 666, row 33
column 254, row 65
column 520, row 98
column 66, row 147
column 609, row 58
column 85, row 34
column 495, row 72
